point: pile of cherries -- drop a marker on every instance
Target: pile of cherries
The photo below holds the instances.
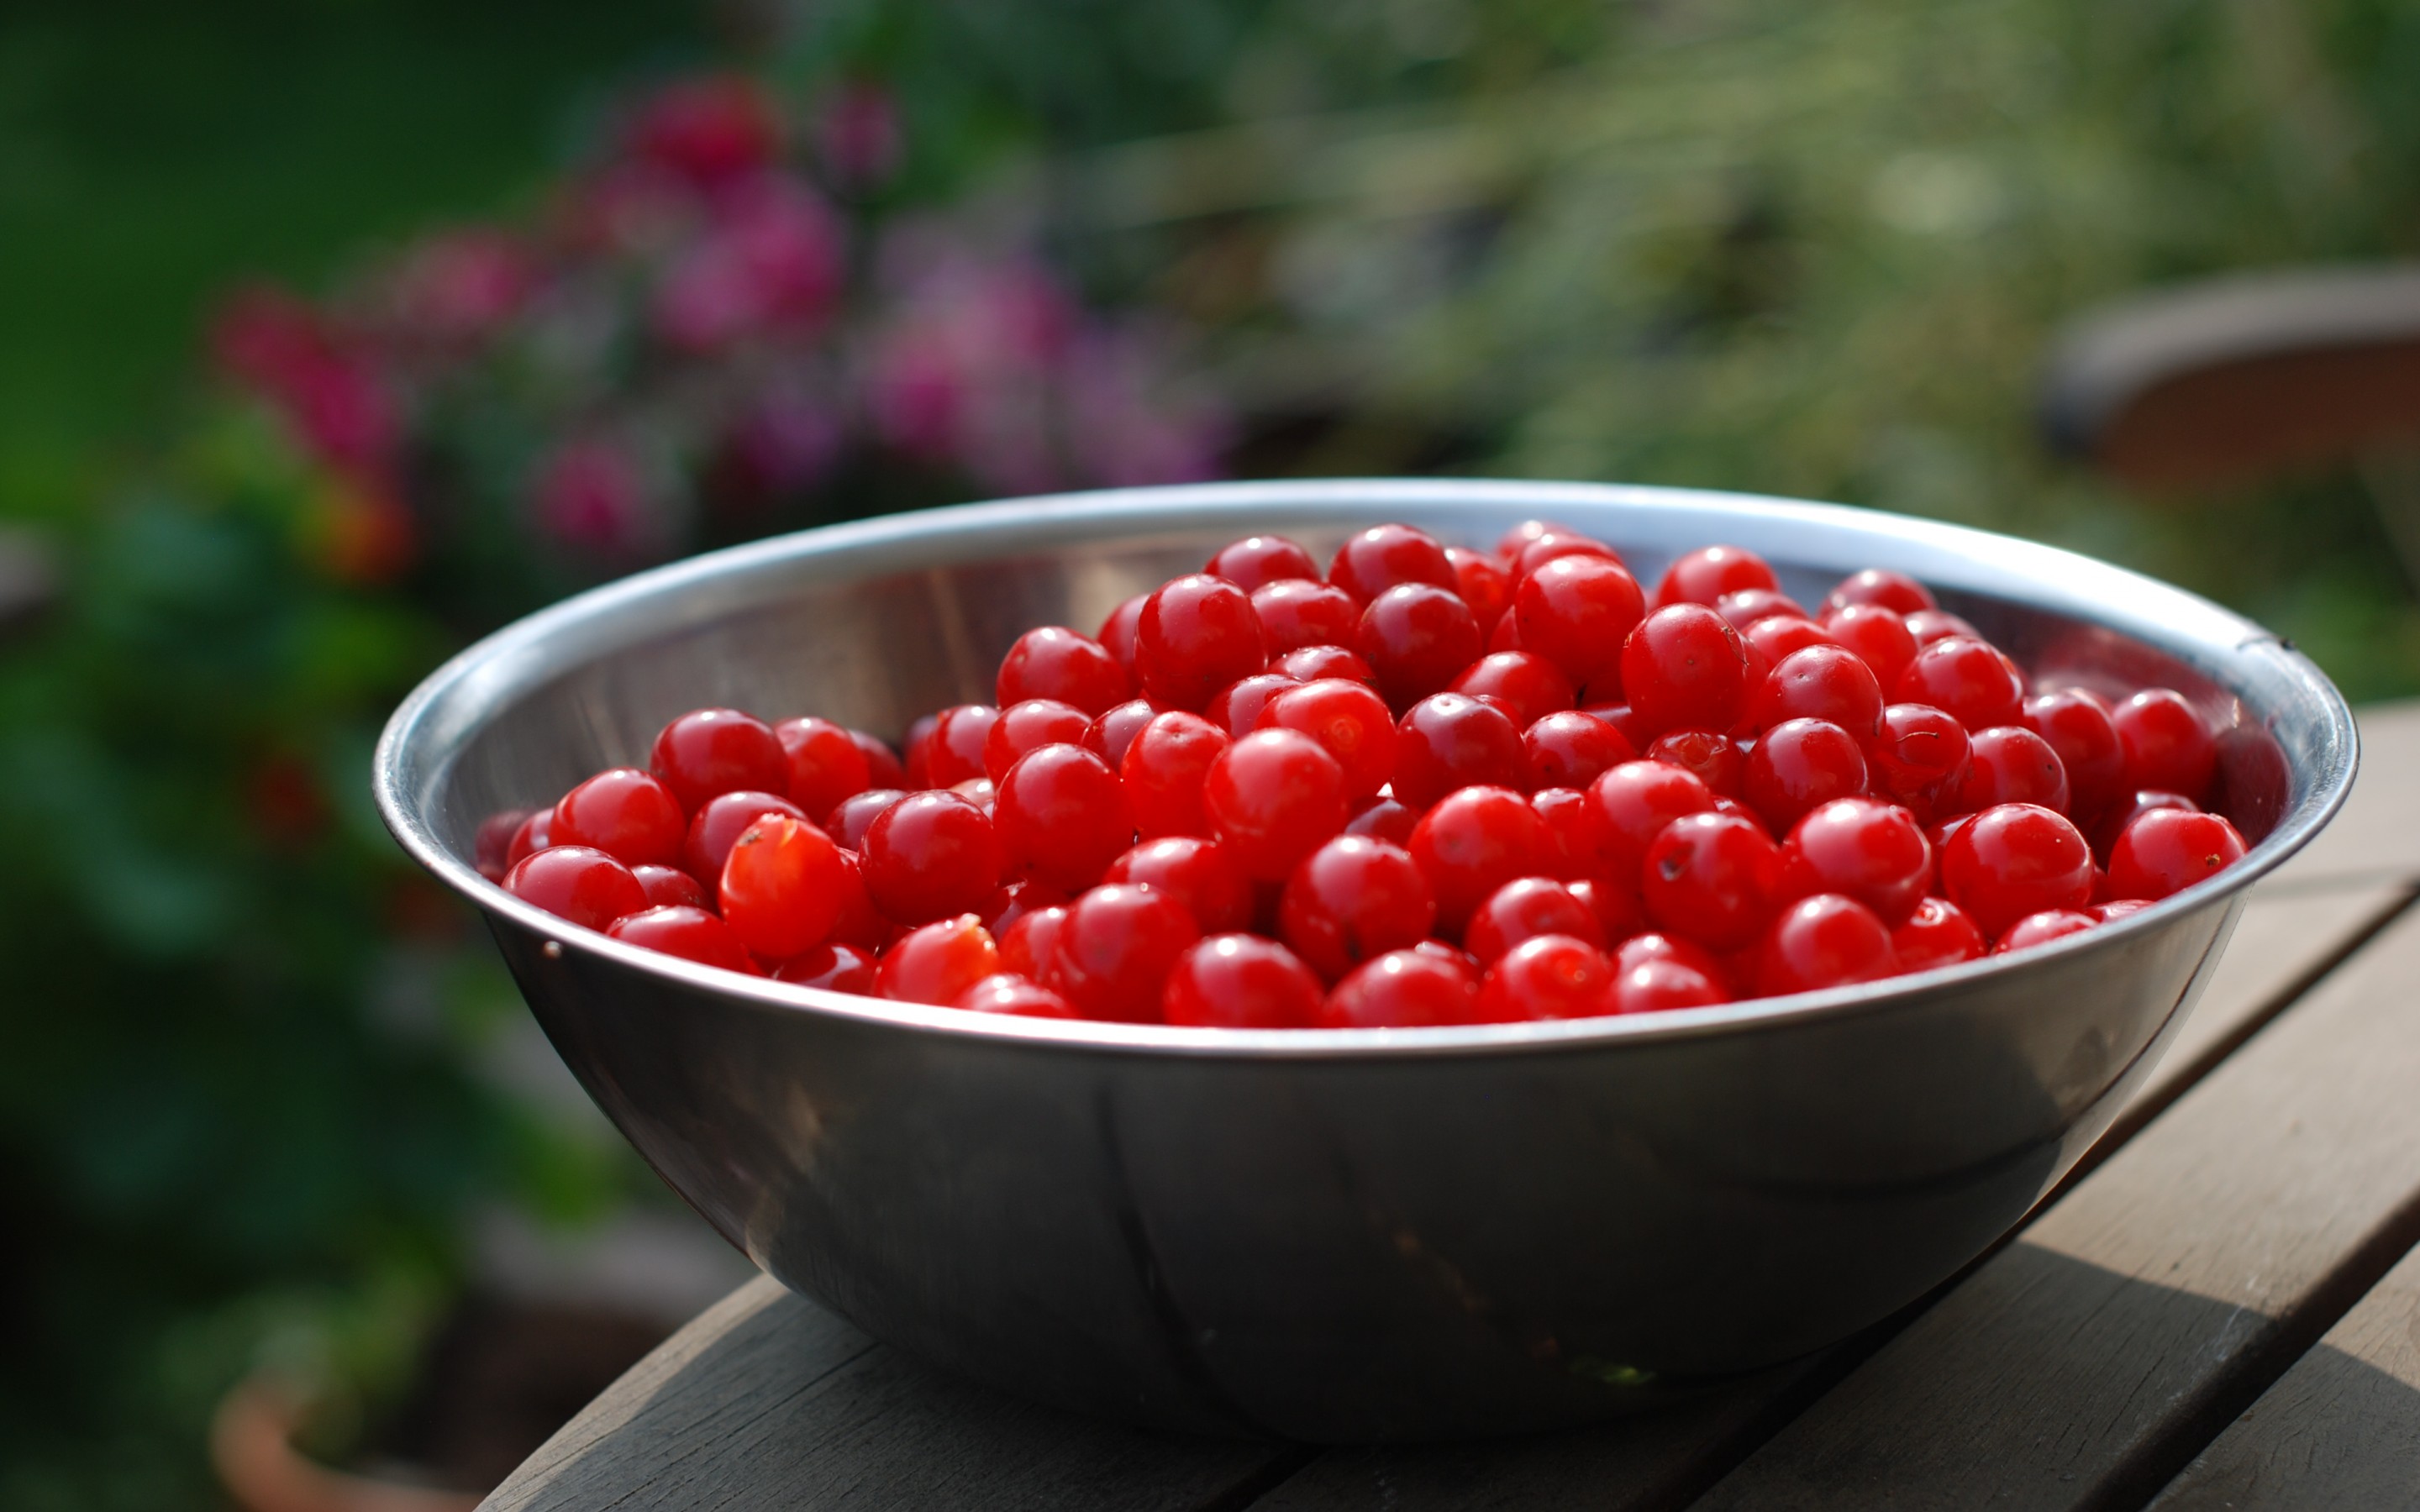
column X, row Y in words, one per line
column 1428, row 786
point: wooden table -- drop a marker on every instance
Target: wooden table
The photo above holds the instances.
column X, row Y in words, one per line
column 2216, row 1310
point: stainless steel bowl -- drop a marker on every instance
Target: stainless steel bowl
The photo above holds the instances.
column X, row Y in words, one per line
column 1350, row 1235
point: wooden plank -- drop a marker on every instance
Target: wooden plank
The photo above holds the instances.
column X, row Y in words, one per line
column 2378, row 834
column 2280, row 945
column 768, row 1401
column 2342, row 1428
column 2085, row 1363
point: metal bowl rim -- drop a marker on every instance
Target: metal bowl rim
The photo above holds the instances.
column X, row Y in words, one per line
column 1146, row 506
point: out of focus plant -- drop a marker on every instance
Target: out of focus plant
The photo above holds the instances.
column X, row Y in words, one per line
column 243, row 1107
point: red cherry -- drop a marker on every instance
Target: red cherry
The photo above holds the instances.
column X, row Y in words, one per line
column 1312, row 664
column 1823, row 941
column 1708, row 573
column 2111, row 911
column 1524, row 909
column 855, row 815
column 821, row 763
column 1056, row 663
column 930, row 856
column 1029, row 946
column 1237, row 708
column 1685, row 667
column 1931, row 625
column 1617, row 912
column 781, row 887
column 1660, row 986
column 688, row 932
column 721, row 822
column 882, row 766
column 2014, row 860
column 1887, row 590
column 1403, row 990
column 1550, row 977
column 1776, row 636
column 978, row 791
column 1564, row 812
column 1937, row 934
column 706, row 752
column 1108, row 736
column 1452, row 741
column 2078, row 727
column 1196, row 872
column 1828, row 683
column 1294, row 614
column 1197, row 635
column 1273, row 797
column 2164, row 850
column 918, row 745
column 669, row 886
column 1629, row 807
column 1472, row 842
column 1030, row 726
column 1576, row 611
column 1383, row 819
column 578, row 882
column 1060, row 817
column 1749, row 605
column 953, row 753
column 1483, row 584
column 1532, row 686
column 1969, row 679
column 837, row 969
column 2165, row 743
column 1387, row 556
column 1920, row 748
column 1015, row 996
column 2042, row 928
column 1013, row 901
column 1569, row 749
column 1714, row 759
column 1164, row 770
column 492, row 845
column 1350, row 722
column 1416, row 638
column 1558, row 544
column 1117, row 633
column 624, row 812
column 1506, row 636
column 1240, row 981
column 1257, row 561
column 1871, row 851
column 937, row 962
column 1712, row 877
column 2009, row 764
column 1510, row 544
column 1114, row 951
column 1351, row 900
column 2113, row 822
column 1799, row 765
column 1878, row 636
column 1652, row 946
column 535, row 835
column 857, row 921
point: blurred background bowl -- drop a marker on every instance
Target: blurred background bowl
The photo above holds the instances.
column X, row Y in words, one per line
column 1335, row 1236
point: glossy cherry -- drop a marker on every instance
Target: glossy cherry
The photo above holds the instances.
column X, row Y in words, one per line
column 1862, row 848
column 1776, row 636
column 626, row 813
column 1058, row 664
column 1029, row 946
column 1546, row 977
column 1716, row 759
column 1797, row 766
column 883, row 768
column 1749, row 605
column 1483, row 584
column 1028, row 726
column 1452, row 741
column 669, row 886
column 1472, row 842
column 954, row 752
column 937, row 962
column 2164, row 850
column 1257, row 561
column 1196, row 635
column 706, row 752
column 1240, row 981
column 1403, row 990
column 1564, row 813
column 1630, row 805
column 1384, row 819
column 839, row 968
column 1878, row 635
column 2009, row 764
column 1294, row 614
column 1196, row 872
column 1114, row 951
column 855, row 815
column 928, row 856
column 715, row 826
column 1561, row 543
column 1705, row 575
column 1117, row 632
column 1571, row 750
column 1236, row 707
column 1272, row 798
column 1416, row 638
column 1533, row 686
column 824, row 764
column 1350, row 721
column 1712, row 877
column 2016, row 860
column 781, row 887
column 2042, row 928
column 1893, row 591
column 1685, row 667
column 1060, row 817
column 1920, row 748
column 1967, row 678
column 1657, row 986
column 1108, row 736
column 1823, row 941
column 1576, row 611
column 1937, row 934
column 1384, row 556
column 492, row 844
column 1015, row 996
column 578, row 882
column 1164, row 769
column 2165, row 743
column 1353, row 900
column 1524, row 909
column 1828, row 683
column 535, row 835
column 2078, row 727
column 1312, row 664
column 688, row 931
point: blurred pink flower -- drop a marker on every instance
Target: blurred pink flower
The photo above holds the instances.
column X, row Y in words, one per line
column 859, row 135
column 592, row 494
column 709, row 131
column 280, row 348
column 785, row 444
column 457, row 287
column 771, row 258
column 1122, row 431
column 631, row 209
